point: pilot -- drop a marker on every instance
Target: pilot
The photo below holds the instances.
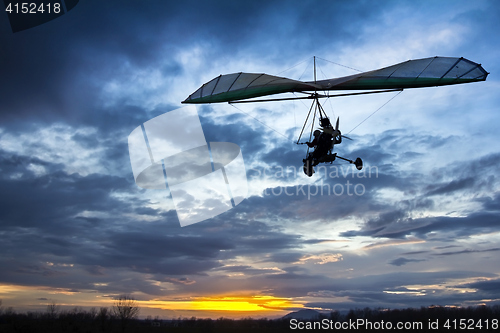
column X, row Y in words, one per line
column 321, row 144
column 314, row 142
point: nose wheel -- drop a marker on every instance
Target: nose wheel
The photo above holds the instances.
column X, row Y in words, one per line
column 358, row 163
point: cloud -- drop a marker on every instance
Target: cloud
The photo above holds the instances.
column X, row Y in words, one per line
column 453, row 186
column 322, row 258
column 466, row 251
column 246, row 270
column 403, row 261
column 488, row 286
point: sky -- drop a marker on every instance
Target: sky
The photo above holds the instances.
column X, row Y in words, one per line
column 419, row 226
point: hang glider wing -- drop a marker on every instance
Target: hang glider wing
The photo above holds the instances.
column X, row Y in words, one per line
column 238, row 86
column 428, row 72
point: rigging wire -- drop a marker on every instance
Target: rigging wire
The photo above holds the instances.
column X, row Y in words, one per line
column 328, row 99
column 354, row 69
column 375, row 111
column 294, row 118
column 308, row 59
column 331, row 108
column 305, row 123
column 312, row 128
column 283, row 135
column 325, row 92
column 301, row 75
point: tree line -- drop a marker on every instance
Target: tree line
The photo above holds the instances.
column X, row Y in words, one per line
column 120, row 317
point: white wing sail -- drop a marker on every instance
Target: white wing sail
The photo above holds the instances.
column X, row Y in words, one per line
column 427, row 72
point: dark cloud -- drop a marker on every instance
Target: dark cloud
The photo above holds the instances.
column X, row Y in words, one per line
column 414, row 252
column 284, row 157
column 246, row 270
column 491, row 203
column 173, row 254
column 475, row 223
column 397, row 222
column 285, row 257
column 490, row 286
column 384, row 290
column 111, row 240
column 403, row 261
column 467, row 251
column 54, row 196
column 455, row 185
column 250, row 141
column 75, row 55
column 96, row 270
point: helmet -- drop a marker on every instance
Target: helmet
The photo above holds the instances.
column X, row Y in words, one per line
column 317, row 133
column 325, row 122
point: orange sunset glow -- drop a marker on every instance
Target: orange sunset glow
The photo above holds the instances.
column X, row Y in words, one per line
column 261, row 305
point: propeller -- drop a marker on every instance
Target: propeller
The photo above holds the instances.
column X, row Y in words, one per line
column 337, row 129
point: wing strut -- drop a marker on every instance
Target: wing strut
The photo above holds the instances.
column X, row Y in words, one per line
column 314, row 95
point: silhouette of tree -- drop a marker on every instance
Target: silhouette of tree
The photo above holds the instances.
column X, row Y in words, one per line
column 52, row 310
column 125, row 308
column 103, row 317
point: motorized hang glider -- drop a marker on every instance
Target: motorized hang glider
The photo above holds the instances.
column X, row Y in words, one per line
column 427, row 72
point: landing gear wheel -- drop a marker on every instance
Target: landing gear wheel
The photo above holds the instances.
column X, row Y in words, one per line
column 308, row 169
column 358, row 163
